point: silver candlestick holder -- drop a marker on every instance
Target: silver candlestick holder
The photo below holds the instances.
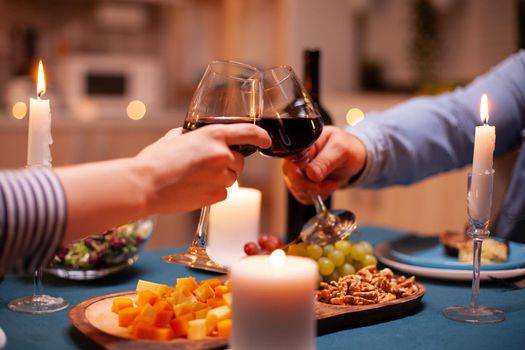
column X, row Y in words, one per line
column 479, row 205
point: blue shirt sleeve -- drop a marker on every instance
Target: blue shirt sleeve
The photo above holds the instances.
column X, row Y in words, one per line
column 428, row 135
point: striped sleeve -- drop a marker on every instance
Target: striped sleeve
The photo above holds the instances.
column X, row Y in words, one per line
column 33, row 217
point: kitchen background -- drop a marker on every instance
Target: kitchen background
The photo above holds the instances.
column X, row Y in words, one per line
column 101, row 55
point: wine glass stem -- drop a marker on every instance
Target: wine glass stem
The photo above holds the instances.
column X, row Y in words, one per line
column 201, row 236
column 320, row 208
column 37, row 283
column 476, row 272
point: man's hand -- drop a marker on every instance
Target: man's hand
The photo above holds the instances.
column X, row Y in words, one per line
column 335, row 158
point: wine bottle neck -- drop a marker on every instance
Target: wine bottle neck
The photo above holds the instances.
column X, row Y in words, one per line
column 311, row 73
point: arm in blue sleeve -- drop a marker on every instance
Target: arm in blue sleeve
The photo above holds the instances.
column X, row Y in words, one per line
column 428, row 135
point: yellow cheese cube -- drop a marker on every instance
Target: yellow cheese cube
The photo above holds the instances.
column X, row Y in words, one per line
column 197, row 329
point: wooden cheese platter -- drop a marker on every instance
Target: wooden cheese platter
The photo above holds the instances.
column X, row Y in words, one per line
column 94, row 319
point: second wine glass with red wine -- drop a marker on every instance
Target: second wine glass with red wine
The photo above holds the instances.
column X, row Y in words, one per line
column 228, row 93
column 294, row 124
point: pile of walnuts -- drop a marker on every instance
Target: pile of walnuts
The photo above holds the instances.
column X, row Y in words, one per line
column 367, row 286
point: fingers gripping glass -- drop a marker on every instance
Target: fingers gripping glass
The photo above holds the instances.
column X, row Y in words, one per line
column 228, row 93
column 294, row 124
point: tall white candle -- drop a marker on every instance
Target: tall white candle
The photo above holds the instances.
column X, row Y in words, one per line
column 39, row 134
column 233, row 222
column 480, row 200
column 484, row 141
column 273, row 302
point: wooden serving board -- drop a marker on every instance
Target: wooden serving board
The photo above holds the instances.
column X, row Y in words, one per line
column 94, row 319
column 331, row 318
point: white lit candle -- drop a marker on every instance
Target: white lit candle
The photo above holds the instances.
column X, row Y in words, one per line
column 39, row 135
column 480, row 192
column 484, row 141
column 233, row 222
column 273, row 302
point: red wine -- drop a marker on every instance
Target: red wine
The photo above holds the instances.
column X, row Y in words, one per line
column 245, row 150
column 290, row 136
column 297, row 213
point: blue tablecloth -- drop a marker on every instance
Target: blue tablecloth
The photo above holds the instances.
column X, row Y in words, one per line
column 426, row 329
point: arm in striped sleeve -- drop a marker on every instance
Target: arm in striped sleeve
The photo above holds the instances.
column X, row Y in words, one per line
column 32, row 219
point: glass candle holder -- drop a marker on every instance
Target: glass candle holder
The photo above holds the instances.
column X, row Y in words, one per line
column 479, row 205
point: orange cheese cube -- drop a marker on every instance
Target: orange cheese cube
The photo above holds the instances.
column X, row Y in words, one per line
column 213, row 282
column 146, row 297
column 221, row 290
column 224, row 328
column 215, row 302
column 127, row 315
column 162, row 318
column 120, row 303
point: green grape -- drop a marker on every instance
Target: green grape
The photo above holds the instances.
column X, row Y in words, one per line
column 358, row 251
column 327, row 249
column 334, row 276
column 367, row 247
column 348, row 259
column 344, row 246
column 346, row 269
column 369, row 259
column 337, row 257
column 326, row 266
column 314, row 251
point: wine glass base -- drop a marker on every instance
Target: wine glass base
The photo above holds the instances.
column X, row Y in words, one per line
column 195, row 257
column 38, row 304
column 338, row 225
column 469, row 314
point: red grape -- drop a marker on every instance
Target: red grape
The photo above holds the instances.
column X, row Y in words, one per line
column 263, row 241
column 251, row 248
column 273, row 243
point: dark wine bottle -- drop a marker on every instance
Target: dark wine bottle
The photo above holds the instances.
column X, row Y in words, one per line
column 299, row 214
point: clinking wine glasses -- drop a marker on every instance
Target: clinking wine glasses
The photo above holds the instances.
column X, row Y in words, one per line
column 229, row 92
column 294, row 124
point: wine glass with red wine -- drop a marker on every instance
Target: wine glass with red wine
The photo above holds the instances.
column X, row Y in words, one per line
column 229, row 92
column 294, row 124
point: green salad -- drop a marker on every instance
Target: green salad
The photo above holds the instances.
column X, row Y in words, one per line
column 104, row 250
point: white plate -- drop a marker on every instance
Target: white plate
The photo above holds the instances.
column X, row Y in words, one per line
column 3, row 339
column 383, row 255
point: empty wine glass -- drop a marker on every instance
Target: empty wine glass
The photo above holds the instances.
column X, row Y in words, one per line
column 228, row 93
column 479, row 204
column 294, row 124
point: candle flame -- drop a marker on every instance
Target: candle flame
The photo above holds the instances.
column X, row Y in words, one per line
column 277, row 258
column 484, row 109
column 41, row 81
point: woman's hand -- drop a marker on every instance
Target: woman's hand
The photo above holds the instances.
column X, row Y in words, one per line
column 192, row 170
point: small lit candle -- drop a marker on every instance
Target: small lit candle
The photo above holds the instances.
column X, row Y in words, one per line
column 233, row 222
column 273, row 302
column 480, row 200
column 39, row 135
column 484, row 141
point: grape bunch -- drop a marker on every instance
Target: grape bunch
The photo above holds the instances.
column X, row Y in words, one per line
column 336, row 260
column 265, row 245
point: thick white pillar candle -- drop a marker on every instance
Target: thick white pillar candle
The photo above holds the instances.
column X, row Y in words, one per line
column 233, row 222
column 484, row 143
column 39, row 134
column 273, row 302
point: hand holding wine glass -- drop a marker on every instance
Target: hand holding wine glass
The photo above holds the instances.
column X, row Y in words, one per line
column 228, row 93
column 294, row 124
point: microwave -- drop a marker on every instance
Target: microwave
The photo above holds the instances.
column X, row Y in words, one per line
column 104, row 84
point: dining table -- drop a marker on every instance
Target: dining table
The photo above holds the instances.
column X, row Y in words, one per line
column 424, row 327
